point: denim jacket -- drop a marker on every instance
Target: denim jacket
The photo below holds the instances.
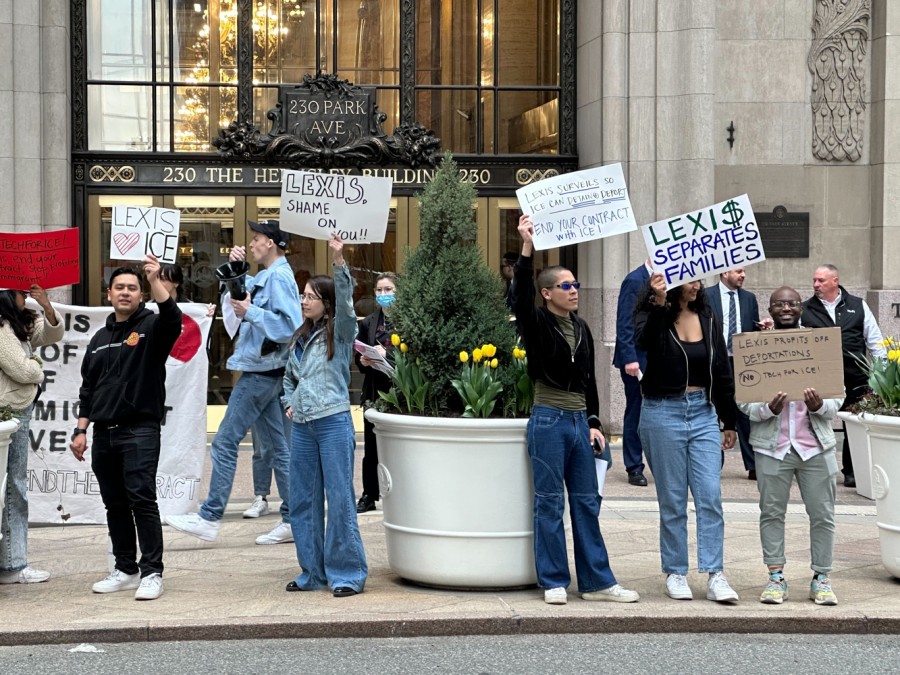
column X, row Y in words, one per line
column 765, row 427
column 274, row 314
column 314, row 386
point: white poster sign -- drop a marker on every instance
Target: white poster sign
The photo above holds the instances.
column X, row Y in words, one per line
column 319, row 205
column 704, row 243
column 62, row 489
column 579, row 206
column 139, row 230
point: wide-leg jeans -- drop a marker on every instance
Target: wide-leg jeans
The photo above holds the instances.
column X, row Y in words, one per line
column 561, row 457
column 682, row 443
column 322, row 465
column 14, row 545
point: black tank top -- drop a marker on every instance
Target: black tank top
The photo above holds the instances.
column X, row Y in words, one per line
column 698, row 363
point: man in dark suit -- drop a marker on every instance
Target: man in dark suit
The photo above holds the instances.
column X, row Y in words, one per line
column 631, row 361
column 738, row 311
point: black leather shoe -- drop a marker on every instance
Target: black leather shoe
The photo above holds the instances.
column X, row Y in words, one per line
column 751, row 474
column 343, row 592
column 365, row 503
column 292, row 587
column 849, row 480
column 637, row 479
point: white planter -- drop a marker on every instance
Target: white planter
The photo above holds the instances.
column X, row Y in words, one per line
column 859, row 452
column 458, row 498
column 7, row 429
column 884, row 440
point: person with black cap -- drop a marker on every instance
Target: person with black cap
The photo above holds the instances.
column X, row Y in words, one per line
column 269, row 313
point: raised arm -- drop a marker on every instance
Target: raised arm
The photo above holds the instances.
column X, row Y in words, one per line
column 345, row 324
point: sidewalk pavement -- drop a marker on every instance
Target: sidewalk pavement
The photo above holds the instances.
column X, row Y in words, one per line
column 235, row 589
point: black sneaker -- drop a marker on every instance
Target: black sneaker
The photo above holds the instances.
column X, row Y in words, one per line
column 637, row 479
column 365, row 503
column 849, row 480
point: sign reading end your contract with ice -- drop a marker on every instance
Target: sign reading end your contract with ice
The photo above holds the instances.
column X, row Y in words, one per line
column 320, row 205
column 579, row 206
column 704, row 243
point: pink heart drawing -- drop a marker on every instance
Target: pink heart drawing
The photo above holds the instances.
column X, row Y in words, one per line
column 126, row 242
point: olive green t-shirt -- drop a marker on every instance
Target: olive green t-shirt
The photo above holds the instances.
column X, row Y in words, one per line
column 544, row 394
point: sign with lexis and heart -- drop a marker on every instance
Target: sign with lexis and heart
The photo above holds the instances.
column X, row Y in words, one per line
column 141, row 230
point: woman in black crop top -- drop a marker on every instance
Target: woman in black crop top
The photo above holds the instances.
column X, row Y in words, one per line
column 687, row 389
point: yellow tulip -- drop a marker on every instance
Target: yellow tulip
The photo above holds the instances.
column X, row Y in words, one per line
column 403, row 347
column 464, row 357
column 490, row 350
column 476, row 355
column 395, row 339
column 494, row 363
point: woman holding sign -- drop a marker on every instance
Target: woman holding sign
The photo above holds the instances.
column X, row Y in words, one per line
column 21, row 371
column 317, row 399
column 687, row 390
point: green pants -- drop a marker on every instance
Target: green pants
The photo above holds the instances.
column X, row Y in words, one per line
column 815, row 477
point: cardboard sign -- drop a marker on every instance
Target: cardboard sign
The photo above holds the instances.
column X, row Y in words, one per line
column 578, row 206
column 48, row 259
column 139, row 230
column 770, row 361
column 704, row 243
column 319, row 205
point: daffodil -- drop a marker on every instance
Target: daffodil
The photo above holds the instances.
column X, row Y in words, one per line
column 494, row 363
column 395, row 339
column 403, row 347
column 477, row 354
column 464, row 357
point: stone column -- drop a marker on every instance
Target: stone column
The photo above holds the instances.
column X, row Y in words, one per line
column 884, row 298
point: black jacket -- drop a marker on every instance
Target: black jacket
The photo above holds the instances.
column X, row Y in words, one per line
column 850, row 318
column 667, row 369
column 550, row 359
column 373, row 380
column 124, row 369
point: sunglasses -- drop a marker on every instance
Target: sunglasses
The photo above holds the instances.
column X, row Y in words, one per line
column 569, row 285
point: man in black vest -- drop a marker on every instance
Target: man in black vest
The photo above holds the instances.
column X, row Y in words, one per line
column 833, row 306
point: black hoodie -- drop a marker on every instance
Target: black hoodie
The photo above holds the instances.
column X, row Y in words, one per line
column 124, row 369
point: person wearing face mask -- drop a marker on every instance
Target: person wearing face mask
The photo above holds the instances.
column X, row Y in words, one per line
column 374, row 330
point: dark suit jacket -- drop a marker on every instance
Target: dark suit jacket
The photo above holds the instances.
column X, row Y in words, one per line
column 626, row 351
column 373, row 380
column 749, row 308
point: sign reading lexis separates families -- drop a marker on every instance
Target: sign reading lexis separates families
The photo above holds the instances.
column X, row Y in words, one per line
column 320, row 205
column 139, row 230
column 705, row 242
column 578, row 206
column 48, row 259
column 766, row 362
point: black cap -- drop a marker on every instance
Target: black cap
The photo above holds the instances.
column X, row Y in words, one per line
column 511, row 256
column 271, row 229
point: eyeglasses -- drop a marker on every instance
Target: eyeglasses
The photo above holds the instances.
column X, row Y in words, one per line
column 569, row 285
column 309, row 296
column 784, row 304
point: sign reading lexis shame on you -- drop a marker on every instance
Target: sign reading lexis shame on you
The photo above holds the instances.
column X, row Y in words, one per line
column 320, row 205
column 141, row 230
column 578, row 206
column 48, row 259
column 790, row 361
column 704, row 243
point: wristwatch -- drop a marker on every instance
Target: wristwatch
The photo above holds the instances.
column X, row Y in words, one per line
column 77, row 432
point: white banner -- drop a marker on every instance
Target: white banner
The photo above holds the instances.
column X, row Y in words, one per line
column 704, row 243
column 62, row 489
column 319, row 205
column 578, row 206
column 139, row 230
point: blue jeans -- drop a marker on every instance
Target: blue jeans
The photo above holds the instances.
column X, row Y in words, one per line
column 263, row 459
column 256, row 402
column 14, row 545
column 560, row 449
column 681, row 439
column 322, row 464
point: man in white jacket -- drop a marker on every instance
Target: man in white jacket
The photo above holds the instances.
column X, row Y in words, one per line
column 794, row 438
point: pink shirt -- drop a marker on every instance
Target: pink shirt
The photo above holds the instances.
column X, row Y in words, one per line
column 795, row 432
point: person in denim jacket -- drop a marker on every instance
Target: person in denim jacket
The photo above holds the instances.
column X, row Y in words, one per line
column 269, row 313
column 317, row 399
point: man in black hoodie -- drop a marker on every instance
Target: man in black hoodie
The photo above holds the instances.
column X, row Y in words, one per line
column 123, row 392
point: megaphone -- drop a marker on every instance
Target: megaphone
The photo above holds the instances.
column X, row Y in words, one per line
column 232, row 275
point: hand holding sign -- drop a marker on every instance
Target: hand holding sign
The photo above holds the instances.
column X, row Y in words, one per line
column 336, row 244
column 141, row 230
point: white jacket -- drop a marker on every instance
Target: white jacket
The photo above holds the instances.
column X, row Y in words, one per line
column 20, row 375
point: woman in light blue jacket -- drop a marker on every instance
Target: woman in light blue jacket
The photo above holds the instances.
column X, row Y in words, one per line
column 317, row 399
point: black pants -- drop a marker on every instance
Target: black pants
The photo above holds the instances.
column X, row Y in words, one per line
column 370, row 461
column 125, row 459
column 631, row 442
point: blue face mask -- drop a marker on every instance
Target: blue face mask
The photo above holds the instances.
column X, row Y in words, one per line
column 385, row 299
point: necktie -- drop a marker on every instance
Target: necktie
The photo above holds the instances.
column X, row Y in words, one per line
column 732, row 318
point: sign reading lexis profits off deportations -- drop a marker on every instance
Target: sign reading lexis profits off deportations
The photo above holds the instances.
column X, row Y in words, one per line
column 704, row 243
column 770, row 361
column 319, row 205
column 578, row 206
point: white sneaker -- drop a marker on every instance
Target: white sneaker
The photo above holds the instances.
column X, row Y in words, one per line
column 117, row 581
column 677, row 587
column 151, row 587
column 192, row 523
column 26, row 575
column 719, row 589
column 555, row 596
column 280, row 534
column 259, row 507
column 614, row 593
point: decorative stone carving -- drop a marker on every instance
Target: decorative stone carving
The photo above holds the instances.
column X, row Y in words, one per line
column 837, row 61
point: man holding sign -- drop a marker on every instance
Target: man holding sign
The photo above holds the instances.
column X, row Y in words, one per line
column 794, row 438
